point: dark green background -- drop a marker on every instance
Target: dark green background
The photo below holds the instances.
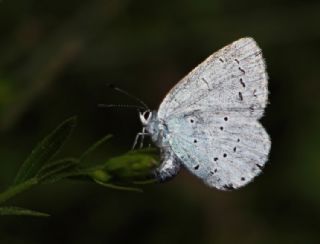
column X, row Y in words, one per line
column 57, row 56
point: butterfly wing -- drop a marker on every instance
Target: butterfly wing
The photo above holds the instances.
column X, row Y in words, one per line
column 212, row 116
column 224, row 149
column 233, row 78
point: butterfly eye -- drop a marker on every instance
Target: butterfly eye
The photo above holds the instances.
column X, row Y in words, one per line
column 147, row 115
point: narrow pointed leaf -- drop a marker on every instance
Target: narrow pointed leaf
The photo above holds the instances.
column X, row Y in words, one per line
column 21, row 212
column 58, row 170
column 146, row 182
column 94, row 147
column 45, row 150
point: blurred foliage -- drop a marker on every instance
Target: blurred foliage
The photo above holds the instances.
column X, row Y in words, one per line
column 44, row 152
column 57, row 56
column 131, row 168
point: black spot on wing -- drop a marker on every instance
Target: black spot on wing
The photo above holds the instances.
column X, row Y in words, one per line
column 228, row 187
column 242, row 83
column 252, row 108
column 255, row 93
column 240, row 96
column 205, row 81
column 258, row 53
column 242, row 70
column 259, row 166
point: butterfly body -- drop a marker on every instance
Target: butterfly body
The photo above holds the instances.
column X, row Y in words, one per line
column 160, row 135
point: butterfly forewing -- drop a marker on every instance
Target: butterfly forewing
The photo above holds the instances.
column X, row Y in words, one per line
column 233, row 78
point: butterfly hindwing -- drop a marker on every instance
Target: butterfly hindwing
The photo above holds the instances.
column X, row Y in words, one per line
column 224, row 150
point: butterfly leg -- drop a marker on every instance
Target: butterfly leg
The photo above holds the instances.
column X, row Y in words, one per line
column 169, row 167
column 142, row 137
column 140, row 134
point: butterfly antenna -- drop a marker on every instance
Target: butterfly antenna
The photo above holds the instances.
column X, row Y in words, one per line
column 120, row 106
column 129, row 95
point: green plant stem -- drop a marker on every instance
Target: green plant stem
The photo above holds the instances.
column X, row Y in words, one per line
column 14, row 190
column 117, row 187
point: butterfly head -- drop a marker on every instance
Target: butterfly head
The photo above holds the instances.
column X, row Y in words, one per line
column 146, row 117
column 150, row 123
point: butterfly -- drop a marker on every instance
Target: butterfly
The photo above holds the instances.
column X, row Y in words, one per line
column 209, row 121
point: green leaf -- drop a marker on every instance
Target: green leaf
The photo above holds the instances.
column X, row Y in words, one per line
column 118, row 187
column 16, row 189
column 45, row 150
column 21, row 212
column 94, row 147
column 68, row 168
column 58, row 170
column 145, row 182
